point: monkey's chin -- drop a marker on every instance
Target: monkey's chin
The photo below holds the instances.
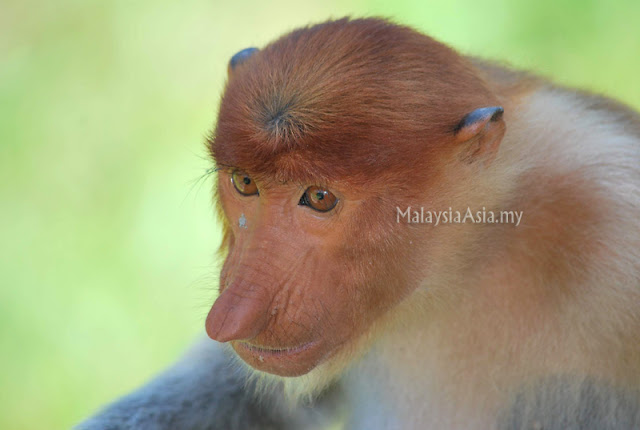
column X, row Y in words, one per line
column 290, row 361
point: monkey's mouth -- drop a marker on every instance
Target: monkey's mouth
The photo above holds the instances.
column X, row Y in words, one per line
column 283, row 361
column 269, row 350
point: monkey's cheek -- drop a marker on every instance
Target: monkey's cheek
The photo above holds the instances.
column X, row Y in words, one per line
column 284, row 362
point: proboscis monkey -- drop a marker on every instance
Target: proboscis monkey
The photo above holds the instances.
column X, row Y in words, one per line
column 369, row 180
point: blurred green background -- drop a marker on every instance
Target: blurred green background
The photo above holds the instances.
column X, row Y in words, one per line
column 107, row 236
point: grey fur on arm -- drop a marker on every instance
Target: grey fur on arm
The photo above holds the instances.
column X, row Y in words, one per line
column 205, row 390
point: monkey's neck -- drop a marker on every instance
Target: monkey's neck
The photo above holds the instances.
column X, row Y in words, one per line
column 410, row 377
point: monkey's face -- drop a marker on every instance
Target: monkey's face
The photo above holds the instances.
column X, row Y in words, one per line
column 320, row 137
column 308, row 269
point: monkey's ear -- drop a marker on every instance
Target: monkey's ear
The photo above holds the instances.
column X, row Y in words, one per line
column 484, row 127
column 239, row 58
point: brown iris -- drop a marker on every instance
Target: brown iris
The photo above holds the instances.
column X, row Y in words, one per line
column 319, row 199
column 243, row 183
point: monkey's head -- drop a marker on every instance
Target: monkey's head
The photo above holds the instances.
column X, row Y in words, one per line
column 320, row 137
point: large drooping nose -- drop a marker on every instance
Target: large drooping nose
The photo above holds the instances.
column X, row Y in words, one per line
column 250, row 278
column 240, row 312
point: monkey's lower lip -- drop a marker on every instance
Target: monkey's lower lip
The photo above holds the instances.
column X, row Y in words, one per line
column 283, row 361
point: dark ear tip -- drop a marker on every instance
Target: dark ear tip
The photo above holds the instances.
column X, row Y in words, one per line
column 491, row 113
column 241, row 56
column 497, row 113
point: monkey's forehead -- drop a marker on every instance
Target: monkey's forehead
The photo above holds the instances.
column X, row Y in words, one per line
column 344, row 94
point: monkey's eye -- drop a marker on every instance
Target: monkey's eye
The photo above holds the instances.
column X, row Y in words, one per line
column 243, row 183
column 318, row 199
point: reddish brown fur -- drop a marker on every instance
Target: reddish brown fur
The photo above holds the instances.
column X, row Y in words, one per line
column 324, row 102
